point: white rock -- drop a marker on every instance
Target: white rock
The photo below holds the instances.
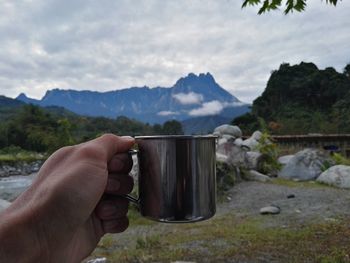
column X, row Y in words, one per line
column 272, row 210
column 98, row 260
column 251, row 144
column 222, row 141
column 235, row 131
column 338, row 175
column 256, row 176
column 238, row 142
column 256, row 135
column 305, row 165
column 228, row 137
column 253, row 159
column 285, row 159
column 221, row 157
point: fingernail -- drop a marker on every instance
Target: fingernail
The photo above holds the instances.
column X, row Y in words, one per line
column 112, row 185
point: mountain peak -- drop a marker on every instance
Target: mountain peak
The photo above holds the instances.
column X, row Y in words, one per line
column 22, row 96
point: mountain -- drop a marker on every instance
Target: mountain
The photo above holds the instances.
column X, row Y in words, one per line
column 301, row 99
column 203, row 125
column 191, row 96
column 8, row 107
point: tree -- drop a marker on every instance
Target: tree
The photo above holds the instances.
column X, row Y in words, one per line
column 172, row 128
column 290, row 5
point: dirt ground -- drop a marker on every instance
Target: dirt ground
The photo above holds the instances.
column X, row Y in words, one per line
column 313, row 226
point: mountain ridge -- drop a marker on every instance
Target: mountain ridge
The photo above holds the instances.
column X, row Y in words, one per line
column 191, row 96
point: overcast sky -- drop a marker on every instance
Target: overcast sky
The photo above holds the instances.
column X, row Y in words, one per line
column 108, row 44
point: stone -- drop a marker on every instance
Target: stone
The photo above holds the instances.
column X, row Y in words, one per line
column 253, row 159
column 285, row 159
column 221, row 158
column 4, row 204
column 222, row 141
column 251, row 144
column 256, row 135
column 236, row 156
column 228, row 137
column 253, row 175
column 98, row 260
column 238, row 142
column 305, row 165
column 235, row 131
column 291, row 196
column 338, row 176
column 270, row 210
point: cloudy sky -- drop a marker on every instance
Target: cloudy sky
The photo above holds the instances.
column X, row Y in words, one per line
column 107, row 44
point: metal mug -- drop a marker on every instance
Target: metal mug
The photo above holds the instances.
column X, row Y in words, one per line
column 177, row 178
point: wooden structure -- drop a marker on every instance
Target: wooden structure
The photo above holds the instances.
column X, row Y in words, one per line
column 331, row 142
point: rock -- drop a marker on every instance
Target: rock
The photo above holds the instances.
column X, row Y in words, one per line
column 98, row 260
column 4, row 204
column 222, row 141
column 338, row 175
column 270, row 210
column 290, row 196
column 253, row 159
column 285, row 159
column 11, row 187
column 221, row 158
column 256, row 135
column 238, row 142
column 235, row 131
column 236, row 156
column 256, row 176
column 251, row 144
column 305, row 165
column 228, row 137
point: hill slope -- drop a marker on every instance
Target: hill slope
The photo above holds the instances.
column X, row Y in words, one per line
column 303, row 99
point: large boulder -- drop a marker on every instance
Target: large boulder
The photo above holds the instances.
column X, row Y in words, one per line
column 338, row 175
column 253, row 175
column 285, row 159
column 253, row 159
column 305, row 165
column 235, row 131
column 256, row 135
column 251, row 144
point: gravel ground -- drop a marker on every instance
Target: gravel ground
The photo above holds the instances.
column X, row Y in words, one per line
column 312, row 202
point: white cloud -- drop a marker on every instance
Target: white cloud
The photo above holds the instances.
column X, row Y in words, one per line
column 167, row 113
column 208, row 108
column 188, row 98
column 106, row 45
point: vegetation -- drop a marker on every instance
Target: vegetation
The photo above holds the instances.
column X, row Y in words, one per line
column 290, row 5
column 269, row 150
column 231, row 237
column 302, row 99
column 33, row 128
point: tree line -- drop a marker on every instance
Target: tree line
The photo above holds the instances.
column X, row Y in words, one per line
column 38, row 129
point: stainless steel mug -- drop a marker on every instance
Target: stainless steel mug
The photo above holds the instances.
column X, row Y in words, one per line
column 177, row 178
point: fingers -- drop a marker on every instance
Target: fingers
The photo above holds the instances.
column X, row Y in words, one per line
column 110, row 144
column 120, row 163
column 110, row 209
column 112, row 212
column 119, row 184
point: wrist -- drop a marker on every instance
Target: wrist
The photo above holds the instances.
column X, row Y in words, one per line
column 19, row 236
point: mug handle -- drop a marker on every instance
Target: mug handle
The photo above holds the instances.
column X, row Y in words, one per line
column 135, row 200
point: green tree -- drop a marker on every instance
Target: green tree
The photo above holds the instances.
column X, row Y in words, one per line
column 290, row 5
column 172, row 128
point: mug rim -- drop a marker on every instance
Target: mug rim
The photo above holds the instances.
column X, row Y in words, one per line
column 177, row 137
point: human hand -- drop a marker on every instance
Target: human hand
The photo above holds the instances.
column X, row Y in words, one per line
column 71, row 204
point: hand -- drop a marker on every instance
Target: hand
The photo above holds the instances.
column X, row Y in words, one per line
column 71, row 204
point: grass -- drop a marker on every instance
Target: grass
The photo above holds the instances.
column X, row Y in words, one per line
column 291, row 183
column 231, row 237
column 12, row 155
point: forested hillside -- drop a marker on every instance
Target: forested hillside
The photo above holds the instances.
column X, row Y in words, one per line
column 302, row 99
column 46, row 129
